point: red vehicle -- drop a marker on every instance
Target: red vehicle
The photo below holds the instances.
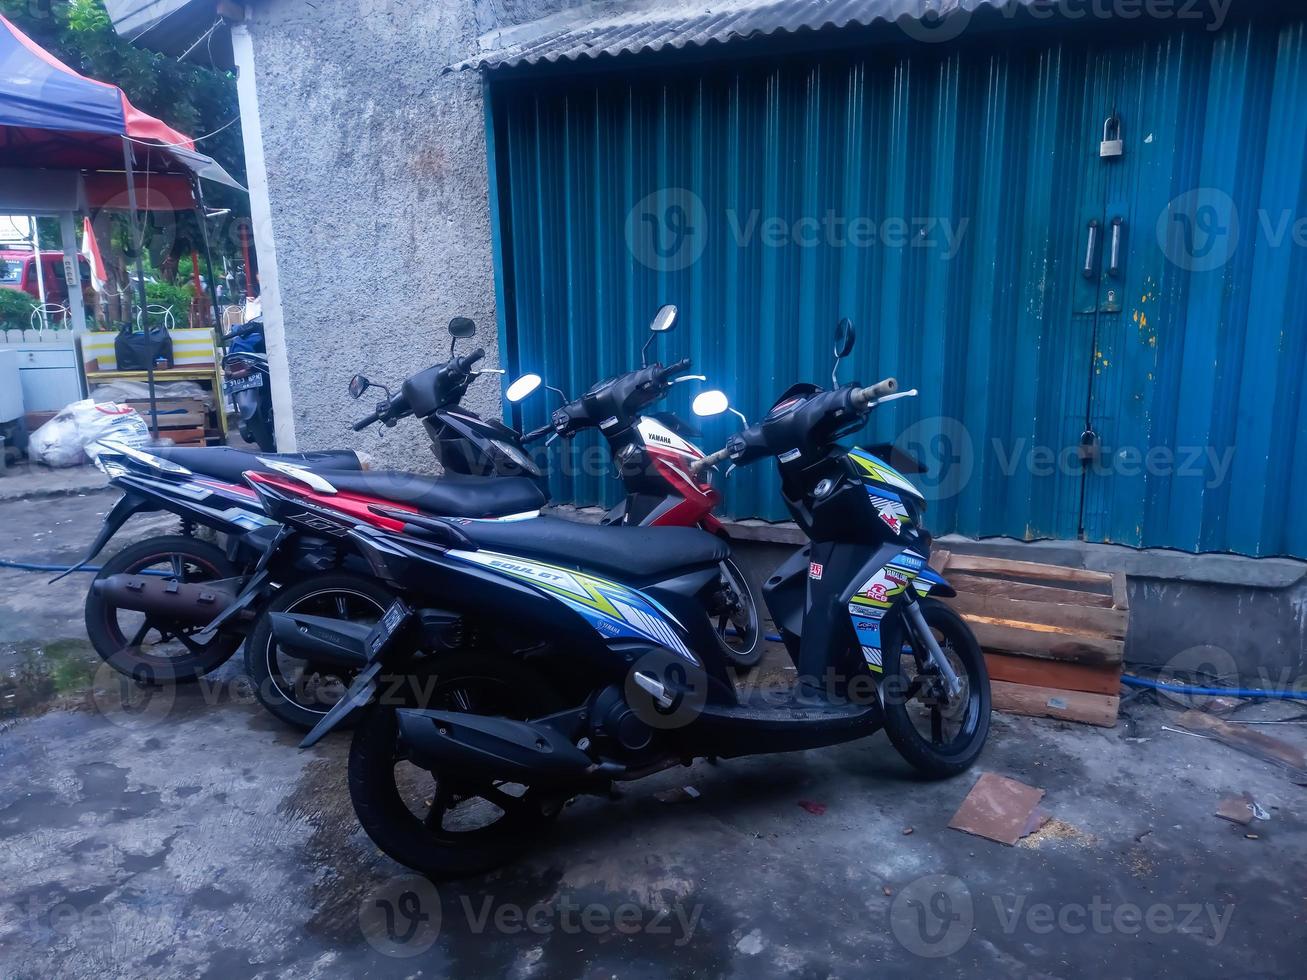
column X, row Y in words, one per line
column 18, row 271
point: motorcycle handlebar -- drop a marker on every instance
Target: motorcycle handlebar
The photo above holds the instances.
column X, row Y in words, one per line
column 539, row 433
column 465, row 363
column 862, row 397
column 367, row 420
column 702, row 464
column 673, row 369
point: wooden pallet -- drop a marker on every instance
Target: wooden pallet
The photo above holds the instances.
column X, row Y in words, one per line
column 1053, row 637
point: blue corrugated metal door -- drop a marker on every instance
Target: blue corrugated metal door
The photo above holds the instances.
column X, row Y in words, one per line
column 955, row 205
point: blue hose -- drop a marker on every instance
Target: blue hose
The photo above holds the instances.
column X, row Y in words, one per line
column 28, row 566
column 1228, row 692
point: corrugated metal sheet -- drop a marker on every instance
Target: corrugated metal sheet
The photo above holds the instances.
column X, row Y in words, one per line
column 599, row 30
column 969, row 178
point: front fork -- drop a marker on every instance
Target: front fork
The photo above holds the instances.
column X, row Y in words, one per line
column 921, row 630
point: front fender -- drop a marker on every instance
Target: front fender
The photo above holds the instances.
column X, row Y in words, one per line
column 934, row 583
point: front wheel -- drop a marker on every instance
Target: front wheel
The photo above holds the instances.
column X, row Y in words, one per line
column 299, row 691
column 734, row 615
column 938, row 736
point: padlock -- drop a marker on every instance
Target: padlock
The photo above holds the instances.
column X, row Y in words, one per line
column 1113, row 145
column 1089, row 446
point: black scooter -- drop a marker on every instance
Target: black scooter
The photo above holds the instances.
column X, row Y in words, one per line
column 247, row 382
column 527, row 664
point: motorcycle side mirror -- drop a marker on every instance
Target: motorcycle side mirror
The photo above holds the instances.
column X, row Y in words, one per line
column 461, row 327
column 664, row 320
column 844, row 337
column 709, row 403
column 522, row 387
column 357, row 385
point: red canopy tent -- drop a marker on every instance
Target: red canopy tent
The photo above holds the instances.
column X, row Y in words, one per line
column 56, row 124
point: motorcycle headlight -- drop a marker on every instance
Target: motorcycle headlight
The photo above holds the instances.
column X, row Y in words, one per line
column 513, row 453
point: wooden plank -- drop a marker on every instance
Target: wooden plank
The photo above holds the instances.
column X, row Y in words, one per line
column 1119, row 594
column 1054, row 674
column 1006, row 637
column 185, row 437
column 939, row 560
column 1028, row 569
column 1047, row 702
column 978, row 585
column 1256, row 744
column 1063, row 616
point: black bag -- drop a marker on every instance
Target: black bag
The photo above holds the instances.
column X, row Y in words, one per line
column 133, row 348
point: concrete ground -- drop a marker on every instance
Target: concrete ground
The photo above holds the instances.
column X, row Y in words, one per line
column 193, row 838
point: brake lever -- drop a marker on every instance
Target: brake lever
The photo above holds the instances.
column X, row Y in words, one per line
column 690, row 377
column 910, row 393
column 552, row 439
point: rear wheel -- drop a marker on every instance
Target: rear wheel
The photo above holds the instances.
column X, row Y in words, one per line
column 258, row 430
column 148, row 647
column 441, row 824
column 298, row 691
column 939, row 736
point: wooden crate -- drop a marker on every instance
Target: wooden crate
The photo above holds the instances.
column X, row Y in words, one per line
column 183, row 420
column 1053, row 637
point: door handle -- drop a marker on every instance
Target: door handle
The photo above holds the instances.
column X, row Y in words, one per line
column 1114, row 250
column 1091, row 250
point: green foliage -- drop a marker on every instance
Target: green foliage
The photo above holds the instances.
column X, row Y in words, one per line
column 15, row 309
column 178, row 297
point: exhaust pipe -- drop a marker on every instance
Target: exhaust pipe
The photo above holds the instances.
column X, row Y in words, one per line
column 167, row 598
column 493, row 748
column 337, row 642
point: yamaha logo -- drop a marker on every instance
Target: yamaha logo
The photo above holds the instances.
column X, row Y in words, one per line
column 659, row 437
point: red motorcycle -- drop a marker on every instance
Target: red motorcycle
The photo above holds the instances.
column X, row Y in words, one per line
column 654, row 459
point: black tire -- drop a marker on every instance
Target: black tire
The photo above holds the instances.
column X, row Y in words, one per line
column 260, row 433
column 302, row 701
column 375, row 790
column 739, row 633
column 106, row 624
column 935, row 759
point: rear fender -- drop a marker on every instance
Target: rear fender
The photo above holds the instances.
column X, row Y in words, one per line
column 247, row 403
column 126, row 506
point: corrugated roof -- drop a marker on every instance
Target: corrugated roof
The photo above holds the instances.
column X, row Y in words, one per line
column 600, row 29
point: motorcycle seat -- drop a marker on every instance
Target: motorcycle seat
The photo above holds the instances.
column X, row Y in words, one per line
column 227, row 463
column 642, row 552
column 446, row 496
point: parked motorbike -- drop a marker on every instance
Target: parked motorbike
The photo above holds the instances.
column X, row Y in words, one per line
column 246, row 381
column 531, row 661
column 166, row 610
column 654, row 456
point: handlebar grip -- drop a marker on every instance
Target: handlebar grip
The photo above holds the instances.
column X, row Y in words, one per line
column 702, row 464
column 682, row 365
column 465, row 363
column 539, row 433
column 367, row 420
column 862, row 397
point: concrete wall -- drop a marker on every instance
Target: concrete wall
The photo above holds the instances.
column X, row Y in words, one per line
column 377, row 185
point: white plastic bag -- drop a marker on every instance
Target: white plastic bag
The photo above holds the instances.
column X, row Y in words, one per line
column 79, row 426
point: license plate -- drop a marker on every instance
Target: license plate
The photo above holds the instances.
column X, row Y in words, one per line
column 233, row 385
column 391, row 621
